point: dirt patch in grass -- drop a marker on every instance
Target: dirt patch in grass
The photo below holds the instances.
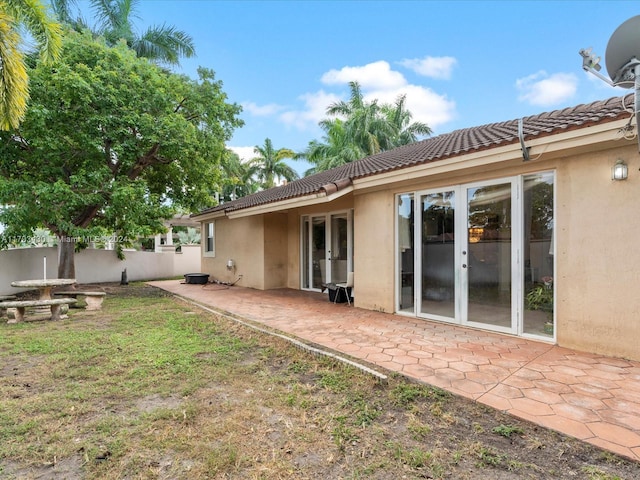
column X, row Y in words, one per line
column 149, row 387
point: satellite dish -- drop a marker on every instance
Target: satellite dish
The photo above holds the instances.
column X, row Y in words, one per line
column 623, row 46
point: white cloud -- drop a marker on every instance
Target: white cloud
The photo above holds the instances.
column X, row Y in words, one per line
column 424, row 104
column 315, row 109
column 434, row 67
column 245, row 153
column 262, row 110
column 542, row 89
column 377, row 81
column 376, row 75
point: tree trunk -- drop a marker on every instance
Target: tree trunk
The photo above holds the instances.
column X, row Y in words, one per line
column 66, row 257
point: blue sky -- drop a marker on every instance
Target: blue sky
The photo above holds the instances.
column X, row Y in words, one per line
column 460, row 63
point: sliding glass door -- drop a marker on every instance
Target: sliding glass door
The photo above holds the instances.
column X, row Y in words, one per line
column 475, row 252
column 489, row 255
column 437, row 283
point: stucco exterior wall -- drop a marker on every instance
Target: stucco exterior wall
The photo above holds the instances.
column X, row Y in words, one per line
column 275, row 250
column 241, row 240
column 598, row 266
column 96, row 266
column 293, row 250
column 374, row 241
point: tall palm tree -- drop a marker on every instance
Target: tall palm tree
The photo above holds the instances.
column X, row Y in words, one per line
column 164, row 43
column 268, row 165
column 33, row 16
column 335, row 149
column 361, row 129
column 365, row 124
column 236, row 181
column 404, row 130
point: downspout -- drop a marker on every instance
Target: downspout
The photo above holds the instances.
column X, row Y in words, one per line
column 523, row 147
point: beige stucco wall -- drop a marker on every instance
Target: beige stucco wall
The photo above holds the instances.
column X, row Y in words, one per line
column 598, row 264
column 293, row 249
column 241, row 240
column 258, row 247
column 373, row 248
column 275, row 250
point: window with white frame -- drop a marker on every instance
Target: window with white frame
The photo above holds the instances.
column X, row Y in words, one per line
column 210, row 239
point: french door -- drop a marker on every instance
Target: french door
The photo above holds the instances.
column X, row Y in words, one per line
column 327, row 249
column 480, row 254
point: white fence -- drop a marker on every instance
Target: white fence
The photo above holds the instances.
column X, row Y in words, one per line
column 96, row 266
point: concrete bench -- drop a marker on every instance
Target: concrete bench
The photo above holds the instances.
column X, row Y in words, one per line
column 3, row 311
column 21, row 305
column 93, row 299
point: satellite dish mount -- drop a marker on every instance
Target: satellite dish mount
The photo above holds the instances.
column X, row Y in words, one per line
column 622, row 60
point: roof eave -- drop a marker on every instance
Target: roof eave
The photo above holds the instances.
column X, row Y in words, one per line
column 297, row 202
column 540, row 148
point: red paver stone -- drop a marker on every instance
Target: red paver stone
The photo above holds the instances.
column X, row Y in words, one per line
column 544, row 396
column 615, row 434
column 574, row 412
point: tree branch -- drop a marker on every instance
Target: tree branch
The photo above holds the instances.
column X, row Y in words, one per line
column 148, row 159
column 85, row 217
column 179, row 105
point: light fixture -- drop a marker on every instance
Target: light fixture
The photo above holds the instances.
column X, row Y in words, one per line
column 619, row 171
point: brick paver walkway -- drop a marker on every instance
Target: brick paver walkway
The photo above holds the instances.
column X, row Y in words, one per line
column 591, row 397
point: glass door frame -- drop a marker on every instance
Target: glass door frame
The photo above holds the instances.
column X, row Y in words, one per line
column 515, row 268
column 519, row 270
column 307, row 263
column 418, row 254
column 461, row 249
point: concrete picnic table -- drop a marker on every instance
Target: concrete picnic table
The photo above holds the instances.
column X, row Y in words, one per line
column 44, row 285
column 45, row 301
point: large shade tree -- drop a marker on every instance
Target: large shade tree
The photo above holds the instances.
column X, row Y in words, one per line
column 114, row 21
column 360, row 128
column 109, row 144
column 268, row 165
column 16, row 18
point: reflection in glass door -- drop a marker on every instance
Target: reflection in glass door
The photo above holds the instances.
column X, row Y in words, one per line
column 487, row 256
column 313, row 236
column 339, row 248
column 437, row 279
column 318, row 251
column 326, row 250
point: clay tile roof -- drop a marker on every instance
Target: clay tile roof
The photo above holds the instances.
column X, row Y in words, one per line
column 443, row 146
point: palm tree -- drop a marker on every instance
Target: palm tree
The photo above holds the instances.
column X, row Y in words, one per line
column 164, row 43
column 237, row 181
column 365, row 124
column 268, row 165
column 399, row 118
column 362, row 129
column 14, row 83
column 336, row 148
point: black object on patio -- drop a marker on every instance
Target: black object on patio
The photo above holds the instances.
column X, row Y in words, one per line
column 196, row 278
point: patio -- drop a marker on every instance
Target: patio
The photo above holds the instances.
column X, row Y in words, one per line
column 590, row 397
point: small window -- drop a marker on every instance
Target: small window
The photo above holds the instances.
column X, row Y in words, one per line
column 210, row 243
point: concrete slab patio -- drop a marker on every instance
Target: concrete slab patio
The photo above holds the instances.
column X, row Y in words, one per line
column 590, row 397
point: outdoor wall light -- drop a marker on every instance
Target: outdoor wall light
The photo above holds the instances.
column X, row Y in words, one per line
column 230, row 264
column 619, row 171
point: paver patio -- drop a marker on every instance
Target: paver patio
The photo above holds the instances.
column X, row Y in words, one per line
column 590, row 397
